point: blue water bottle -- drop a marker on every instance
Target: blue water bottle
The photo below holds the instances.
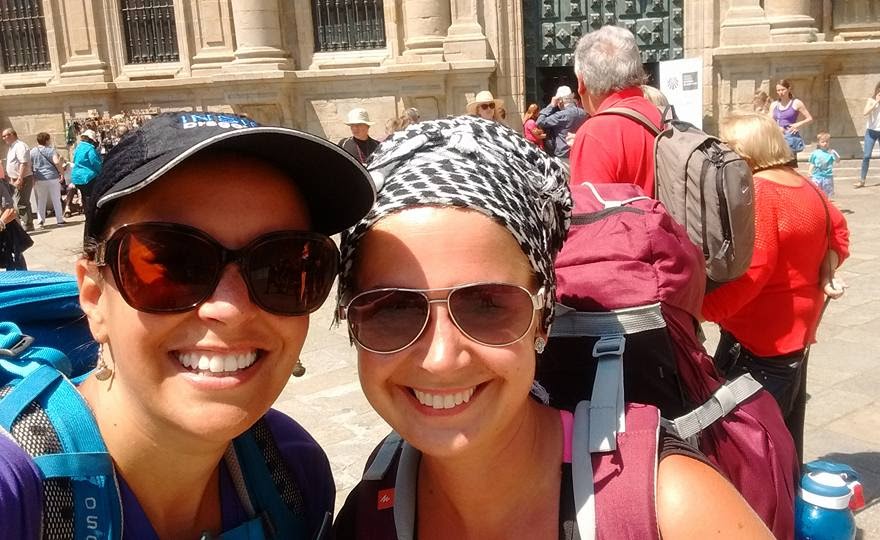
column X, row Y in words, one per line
column 823, row 508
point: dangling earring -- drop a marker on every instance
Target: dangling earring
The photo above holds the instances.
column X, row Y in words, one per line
column 540, row 344
column 102, row 370
column 299, row 369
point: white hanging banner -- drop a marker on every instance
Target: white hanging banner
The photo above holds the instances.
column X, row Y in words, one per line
column 681, row 81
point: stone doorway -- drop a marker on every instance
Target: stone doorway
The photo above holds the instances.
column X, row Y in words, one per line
column 552, row 28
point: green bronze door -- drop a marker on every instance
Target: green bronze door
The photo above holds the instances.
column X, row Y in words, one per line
column 552, row 29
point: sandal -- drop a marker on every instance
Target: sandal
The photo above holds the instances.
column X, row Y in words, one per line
column 859, row 184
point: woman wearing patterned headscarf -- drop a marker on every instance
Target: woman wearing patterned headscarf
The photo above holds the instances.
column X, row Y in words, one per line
column 447, row 287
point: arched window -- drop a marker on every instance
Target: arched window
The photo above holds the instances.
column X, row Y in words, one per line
column 346, row 25
column 150, row 34
column 23, row 45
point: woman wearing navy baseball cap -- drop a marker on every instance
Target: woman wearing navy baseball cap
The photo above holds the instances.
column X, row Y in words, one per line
column 207, row 247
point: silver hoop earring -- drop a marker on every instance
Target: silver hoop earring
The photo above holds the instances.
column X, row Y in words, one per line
column 298, row 369
column 540, row 344
column 102, row 370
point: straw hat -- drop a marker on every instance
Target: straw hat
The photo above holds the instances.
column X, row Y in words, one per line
column 483, row 96
column 358, row 116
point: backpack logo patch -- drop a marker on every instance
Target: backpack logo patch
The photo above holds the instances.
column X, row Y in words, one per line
column 385, row 499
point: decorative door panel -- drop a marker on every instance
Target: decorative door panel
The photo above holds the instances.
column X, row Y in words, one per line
column 553, row 27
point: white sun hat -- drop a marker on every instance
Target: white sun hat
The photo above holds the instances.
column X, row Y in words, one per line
column 358, row 116
column 563, row 91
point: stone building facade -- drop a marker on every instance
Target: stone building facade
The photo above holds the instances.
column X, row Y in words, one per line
column 828, row 49
column 305, row 64
column 296, row 63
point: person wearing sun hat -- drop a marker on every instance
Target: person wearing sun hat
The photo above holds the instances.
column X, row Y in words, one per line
column 360, row 144
column 485, row 106
column 560, row 118
column 207, row 247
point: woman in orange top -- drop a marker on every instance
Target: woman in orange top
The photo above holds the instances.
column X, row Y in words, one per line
column 768, row 316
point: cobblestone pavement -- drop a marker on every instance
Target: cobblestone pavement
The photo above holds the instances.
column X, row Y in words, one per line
column 843, row 413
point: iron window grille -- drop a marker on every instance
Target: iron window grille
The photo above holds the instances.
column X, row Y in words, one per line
column 150, row 32
column 347, row 25
column 23, row 43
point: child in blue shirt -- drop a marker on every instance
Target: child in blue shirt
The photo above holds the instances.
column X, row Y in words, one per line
column 822, row 162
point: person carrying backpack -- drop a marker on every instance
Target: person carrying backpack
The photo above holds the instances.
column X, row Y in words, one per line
column 447, row 288
column 199, row 320
column 608, row 148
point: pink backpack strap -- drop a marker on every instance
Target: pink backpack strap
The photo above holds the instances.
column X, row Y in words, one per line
column 615, row 492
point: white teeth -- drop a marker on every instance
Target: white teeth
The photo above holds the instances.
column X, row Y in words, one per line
column 444, row 401
column 217, row 363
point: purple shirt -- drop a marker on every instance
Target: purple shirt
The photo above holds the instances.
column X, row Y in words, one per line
column 21, row 489
column 787, row 116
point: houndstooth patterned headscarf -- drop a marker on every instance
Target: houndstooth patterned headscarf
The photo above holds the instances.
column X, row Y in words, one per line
column 468, row 162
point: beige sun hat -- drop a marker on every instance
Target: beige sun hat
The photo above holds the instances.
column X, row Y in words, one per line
column 90, row 134
column 483, row 96
column 358, row 116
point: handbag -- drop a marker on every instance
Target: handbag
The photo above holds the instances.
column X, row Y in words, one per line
column 20, row 239
column 794, row 141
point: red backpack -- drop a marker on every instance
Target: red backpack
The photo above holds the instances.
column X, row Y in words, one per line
column 630, row 286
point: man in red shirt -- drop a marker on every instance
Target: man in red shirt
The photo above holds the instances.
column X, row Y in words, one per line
column 611, row 148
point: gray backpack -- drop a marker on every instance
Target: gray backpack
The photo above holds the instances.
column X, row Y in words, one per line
column 707, row 188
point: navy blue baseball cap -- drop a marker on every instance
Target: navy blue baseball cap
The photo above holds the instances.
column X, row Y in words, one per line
column 336, row 187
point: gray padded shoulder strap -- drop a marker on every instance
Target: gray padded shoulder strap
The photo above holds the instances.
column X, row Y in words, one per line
column 633, row 115
column 405, row 493
column 384, row 457
column 722, row 402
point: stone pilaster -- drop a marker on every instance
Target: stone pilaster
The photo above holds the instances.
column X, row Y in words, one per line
column 258, row 36
column 211, row 31
column 745, row 23
column 465, row 39
column 790, row 21
column 79, row 47
column 425, row 25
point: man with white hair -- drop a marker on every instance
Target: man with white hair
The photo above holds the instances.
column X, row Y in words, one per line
column 609, row 147
column 558, row 119
column 21, row 176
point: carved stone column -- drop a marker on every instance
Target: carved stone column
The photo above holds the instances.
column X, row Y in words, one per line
column 465, row 40
column 80, row 49
column 744, row 23
column 790, row 21
column 425, row 24
column 258, row 35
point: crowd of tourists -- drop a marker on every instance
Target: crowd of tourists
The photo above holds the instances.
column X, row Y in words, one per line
column 452, row 291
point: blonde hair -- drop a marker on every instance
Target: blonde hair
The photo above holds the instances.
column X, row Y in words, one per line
column 756, row 138
column 655, row 96
column 823, row 135
column 531, row 113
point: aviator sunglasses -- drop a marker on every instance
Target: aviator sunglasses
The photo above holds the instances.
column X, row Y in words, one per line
column 487, row 105
column 172, row 268
column 386, row 321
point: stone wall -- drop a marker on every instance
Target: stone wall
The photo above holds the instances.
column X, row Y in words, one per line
column 258, row 57
column 827, row 50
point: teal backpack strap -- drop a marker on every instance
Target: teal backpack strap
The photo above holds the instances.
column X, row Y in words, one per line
column 37, row 394
column 253, row 465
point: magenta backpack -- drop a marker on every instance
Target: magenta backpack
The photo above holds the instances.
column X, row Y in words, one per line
column 630, row 288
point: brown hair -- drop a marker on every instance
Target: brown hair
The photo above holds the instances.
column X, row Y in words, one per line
column 42, row 138
column 531, row 113
column 785, row 83
column 876, row 89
